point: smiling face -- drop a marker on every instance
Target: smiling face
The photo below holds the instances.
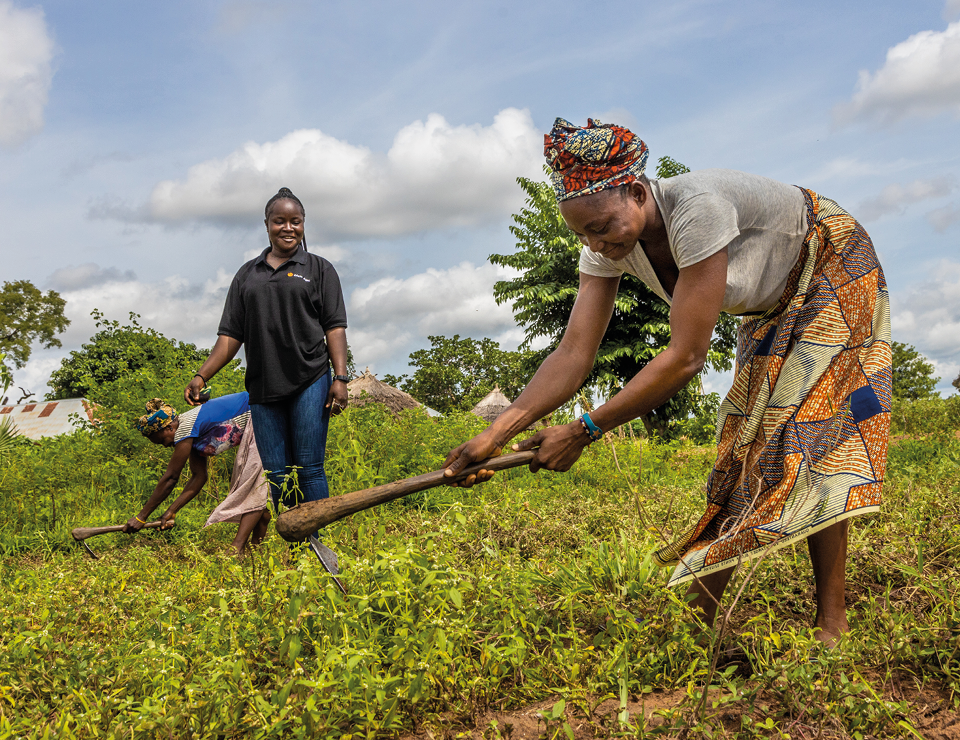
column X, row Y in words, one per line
column 285, row 225
column 610, row 222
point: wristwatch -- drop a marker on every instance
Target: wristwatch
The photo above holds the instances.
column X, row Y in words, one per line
column 342, row 378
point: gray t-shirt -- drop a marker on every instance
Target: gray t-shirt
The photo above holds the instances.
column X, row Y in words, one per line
column 762, row 223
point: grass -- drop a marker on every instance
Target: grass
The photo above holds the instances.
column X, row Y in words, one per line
column 465, row 606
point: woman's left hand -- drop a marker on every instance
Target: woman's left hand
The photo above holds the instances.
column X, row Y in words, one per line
column 168, row 520
column 337, row 397
column 559, row 447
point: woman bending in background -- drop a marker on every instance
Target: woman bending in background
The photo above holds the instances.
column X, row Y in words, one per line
column 216, row 426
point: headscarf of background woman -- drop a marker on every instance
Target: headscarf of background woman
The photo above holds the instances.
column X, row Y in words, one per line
column 159, row 415
column 588, row 160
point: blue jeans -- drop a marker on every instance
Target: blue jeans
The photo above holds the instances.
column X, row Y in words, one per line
column 293, row 432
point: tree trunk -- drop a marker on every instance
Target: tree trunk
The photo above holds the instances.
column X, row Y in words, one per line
column 654, row 426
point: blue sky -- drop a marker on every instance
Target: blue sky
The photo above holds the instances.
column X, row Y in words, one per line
column 138, row 143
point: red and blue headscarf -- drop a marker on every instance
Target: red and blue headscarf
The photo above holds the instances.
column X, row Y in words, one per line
column 587, row 160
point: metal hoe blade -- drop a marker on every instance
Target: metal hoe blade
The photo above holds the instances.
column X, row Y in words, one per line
column 327, row 558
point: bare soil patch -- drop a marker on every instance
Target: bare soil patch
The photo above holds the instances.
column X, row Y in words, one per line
column 932, row 717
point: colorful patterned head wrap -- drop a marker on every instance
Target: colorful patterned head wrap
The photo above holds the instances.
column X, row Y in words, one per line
column 159, row 415
column 588, row 160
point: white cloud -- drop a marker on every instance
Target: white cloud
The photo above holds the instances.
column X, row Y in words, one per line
column 928, row 316
column 849, row 168
column 434, row 175
column 943, row 218
column 26, row 53
column 951, row 11
column 921, row 76
column 895, row 198
column 33, row 377
column 388, row 318
column 175, row 307
column 947, row 371
column 87, row 275
column 388, row 314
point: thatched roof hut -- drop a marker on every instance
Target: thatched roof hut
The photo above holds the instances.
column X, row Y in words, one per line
column 492, row 405
column 367, row 389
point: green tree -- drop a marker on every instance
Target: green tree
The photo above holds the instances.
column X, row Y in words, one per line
column 28, row 315
column 117, row 351
column 913, row 377
column 548, row 257
column 454, row 373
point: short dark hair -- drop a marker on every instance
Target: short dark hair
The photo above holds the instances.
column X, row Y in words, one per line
column 283, row 193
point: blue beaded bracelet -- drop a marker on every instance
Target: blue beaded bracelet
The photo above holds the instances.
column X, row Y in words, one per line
column 592, row 430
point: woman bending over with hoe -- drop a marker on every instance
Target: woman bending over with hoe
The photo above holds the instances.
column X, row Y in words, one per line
column 802, row 435
column 195, row 435
column 287, row 307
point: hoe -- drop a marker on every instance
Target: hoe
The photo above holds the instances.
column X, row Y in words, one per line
column 296, row 523
column 326, row 556
column 299, row 523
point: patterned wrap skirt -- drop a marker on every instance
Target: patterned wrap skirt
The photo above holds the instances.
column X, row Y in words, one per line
column 802, row 435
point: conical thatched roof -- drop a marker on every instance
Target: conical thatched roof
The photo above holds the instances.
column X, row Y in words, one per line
column 367, row 389
column 492, row 405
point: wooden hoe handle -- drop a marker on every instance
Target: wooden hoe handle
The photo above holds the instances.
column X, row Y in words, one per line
column 296, row 523
column 81, row 533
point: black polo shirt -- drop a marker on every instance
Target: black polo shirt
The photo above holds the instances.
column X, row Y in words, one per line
column 281, row 316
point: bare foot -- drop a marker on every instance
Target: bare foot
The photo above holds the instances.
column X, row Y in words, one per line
column 829, row 632
column 261, row 528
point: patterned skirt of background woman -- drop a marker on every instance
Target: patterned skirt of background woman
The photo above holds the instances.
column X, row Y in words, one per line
column 249, row 489
column 802, row 435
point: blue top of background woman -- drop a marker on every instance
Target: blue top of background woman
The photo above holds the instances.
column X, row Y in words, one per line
column 286, row 307
column 218, row 425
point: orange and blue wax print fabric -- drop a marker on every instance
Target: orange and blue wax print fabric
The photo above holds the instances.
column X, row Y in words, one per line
column 587, row 160
column 802, row 435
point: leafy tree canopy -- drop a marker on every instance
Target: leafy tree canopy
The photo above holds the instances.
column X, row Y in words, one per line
column 913, row 377
column 548, row 257
column 28, row 315
column 454, row 374
column 118, row 351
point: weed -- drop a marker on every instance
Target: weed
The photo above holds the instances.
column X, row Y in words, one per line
column 463, row 603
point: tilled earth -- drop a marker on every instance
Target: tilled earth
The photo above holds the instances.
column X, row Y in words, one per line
column 931, row 717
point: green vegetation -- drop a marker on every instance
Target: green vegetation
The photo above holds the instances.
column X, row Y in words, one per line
column 116, row 352
column 466, row 607
column 454, row 374
column 29, row 315
column 542, row 296
column 913, row 377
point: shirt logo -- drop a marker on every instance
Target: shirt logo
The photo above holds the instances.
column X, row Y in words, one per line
column 293, row 274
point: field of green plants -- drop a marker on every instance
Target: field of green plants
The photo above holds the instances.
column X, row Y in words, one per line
column 526, row 607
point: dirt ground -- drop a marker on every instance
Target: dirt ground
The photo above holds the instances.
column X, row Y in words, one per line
column 931, row 717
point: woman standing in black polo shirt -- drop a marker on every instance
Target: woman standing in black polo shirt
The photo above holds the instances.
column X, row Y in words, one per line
column 287, row 307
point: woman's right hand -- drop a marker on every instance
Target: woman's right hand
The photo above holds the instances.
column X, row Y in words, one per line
column 191, row 393
column 481, row 447
column 133, row 525
column 168, row 520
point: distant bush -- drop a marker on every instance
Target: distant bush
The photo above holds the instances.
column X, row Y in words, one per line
column 937, row 416
column 114, row 353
